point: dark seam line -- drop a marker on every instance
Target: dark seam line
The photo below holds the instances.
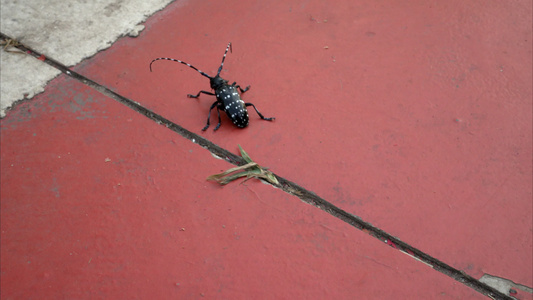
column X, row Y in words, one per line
column 286, row 185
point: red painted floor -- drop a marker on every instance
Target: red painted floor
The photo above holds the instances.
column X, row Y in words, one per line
column 416, row 117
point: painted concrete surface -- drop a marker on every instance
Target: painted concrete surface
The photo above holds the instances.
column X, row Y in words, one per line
column 117, row 207
column 69, row 31
column 414, row 116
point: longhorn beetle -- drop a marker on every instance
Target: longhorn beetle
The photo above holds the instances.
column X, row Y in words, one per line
column 228, row 98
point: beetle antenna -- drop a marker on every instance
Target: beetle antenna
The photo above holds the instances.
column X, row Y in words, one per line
column 177, row 60
column 224, row 57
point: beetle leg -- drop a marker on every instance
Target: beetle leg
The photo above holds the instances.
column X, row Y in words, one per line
column 260, row 115
column 219, row 120
column 242, row 91
column 198, row 95
column 209, row 116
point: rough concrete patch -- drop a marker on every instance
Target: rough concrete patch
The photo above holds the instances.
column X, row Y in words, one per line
column 19, row 78
column 136, row 30
column 503, row 285
column 67, row 31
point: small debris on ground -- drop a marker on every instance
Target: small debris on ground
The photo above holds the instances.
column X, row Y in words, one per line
column 249, row 170
column 10, row 43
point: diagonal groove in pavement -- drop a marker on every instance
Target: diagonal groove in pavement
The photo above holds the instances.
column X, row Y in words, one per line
column 284, row 184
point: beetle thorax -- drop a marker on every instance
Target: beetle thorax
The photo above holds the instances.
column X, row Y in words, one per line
column 217, row 82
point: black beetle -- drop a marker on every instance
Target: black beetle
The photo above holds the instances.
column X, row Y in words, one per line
column 228, row 98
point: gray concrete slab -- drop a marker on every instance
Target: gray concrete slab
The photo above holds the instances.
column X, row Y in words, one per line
column 67, row 31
